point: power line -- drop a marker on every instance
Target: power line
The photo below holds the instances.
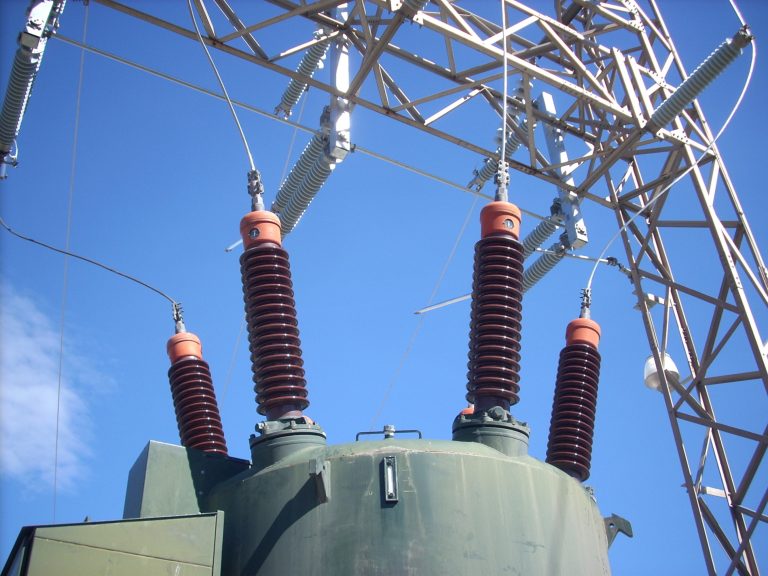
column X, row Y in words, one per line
column 502, row 175
column 223, row 88
column 707, row 150
column 417, row 329
column 65, row 278
column 251, row 108
column 86, row 259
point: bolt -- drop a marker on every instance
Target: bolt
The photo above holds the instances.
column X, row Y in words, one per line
column 508, row 223
column 254, row 233
column 497, row 413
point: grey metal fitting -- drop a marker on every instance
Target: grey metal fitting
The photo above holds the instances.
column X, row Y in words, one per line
column 280, row 438
column 496, row 428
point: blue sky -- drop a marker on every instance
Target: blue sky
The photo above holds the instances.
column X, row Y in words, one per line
column 159, row 192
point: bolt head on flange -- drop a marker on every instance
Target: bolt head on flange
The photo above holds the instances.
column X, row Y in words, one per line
column 495, row 427
column 280, row 438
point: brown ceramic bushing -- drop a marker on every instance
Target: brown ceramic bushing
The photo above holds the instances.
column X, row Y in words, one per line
column 259, row 227
column 500, row 218
column 583, row 331
column 182, row 345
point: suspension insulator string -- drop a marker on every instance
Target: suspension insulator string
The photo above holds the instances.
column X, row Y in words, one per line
column 490, row 166
column 572, row 424
column 273, row 331
column 291, row 184
column 306, row 178
column 494, row 335
column 310, row 62
column 705, row 73
column 544, row 264
column 42, row 23
column 539, row 235
column 694, row 84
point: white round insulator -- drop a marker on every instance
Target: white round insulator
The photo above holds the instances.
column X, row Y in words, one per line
column 651, row 375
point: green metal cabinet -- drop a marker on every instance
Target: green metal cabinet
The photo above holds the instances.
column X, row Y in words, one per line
column 175, row 546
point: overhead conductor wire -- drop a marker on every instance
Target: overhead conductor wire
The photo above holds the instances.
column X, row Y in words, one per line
column 68, row 253
column 254, row 179
column 88, row 260
column 417, row 329
column 709, row 147
column 285, row 164
column 65, row 277
column 503, row 173
column 254, row 109
column 501, row 194
column 223, row 88
column 241, row 331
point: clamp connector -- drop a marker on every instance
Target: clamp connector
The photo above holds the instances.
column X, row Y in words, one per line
column 178, row 318
column 256, row 190
column 743, row 37
column 502, row 181
column 586, row 302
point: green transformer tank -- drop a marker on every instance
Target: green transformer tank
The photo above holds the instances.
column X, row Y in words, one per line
column 475, row 505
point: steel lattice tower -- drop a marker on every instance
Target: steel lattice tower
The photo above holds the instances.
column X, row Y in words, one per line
column 609, row 65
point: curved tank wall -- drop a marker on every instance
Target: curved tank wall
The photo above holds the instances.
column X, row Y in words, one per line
column 409, row 507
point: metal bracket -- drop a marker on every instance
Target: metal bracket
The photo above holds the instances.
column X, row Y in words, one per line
column 388, row 431
column 41, row 19
column 575, row 228
column 320, row 470
column 339, row 142
column 389, row 480
column 615, row 524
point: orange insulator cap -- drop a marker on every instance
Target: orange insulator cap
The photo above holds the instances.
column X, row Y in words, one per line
column 182, row 345
column 583, row 331
column 258, row 227
column 500, row 218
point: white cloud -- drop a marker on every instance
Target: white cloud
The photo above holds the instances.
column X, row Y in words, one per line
column 29, row 384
